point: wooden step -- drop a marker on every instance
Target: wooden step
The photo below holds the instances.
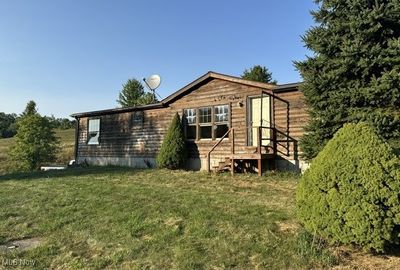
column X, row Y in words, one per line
column 242, row 156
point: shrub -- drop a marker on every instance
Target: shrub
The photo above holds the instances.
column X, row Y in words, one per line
column 35, row 143
column 350, row 193
column 173, row 152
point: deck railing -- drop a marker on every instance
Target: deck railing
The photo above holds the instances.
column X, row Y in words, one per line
column 262, row 140
column 230, row 132
column 268, row 142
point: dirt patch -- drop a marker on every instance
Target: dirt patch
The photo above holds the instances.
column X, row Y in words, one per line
column 21, row 244
column 357, row 259
column 287, row 226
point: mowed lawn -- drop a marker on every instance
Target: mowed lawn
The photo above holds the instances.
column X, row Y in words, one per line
column 95, row 218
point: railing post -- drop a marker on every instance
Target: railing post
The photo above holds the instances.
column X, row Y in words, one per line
column 274, row 143
column 208, row 163
column 259, row 138
column 232, row 135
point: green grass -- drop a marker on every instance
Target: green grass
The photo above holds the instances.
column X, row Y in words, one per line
column 96, row 218
column 67, row 142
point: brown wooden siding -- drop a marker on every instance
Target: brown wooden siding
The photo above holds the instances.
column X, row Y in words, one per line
column 119, row 137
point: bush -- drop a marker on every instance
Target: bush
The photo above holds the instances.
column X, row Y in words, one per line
column 173, row 152
column 35, row 143
column 350, row 193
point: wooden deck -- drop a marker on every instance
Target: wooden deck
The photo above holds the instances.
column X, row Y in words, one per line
column 240, row 154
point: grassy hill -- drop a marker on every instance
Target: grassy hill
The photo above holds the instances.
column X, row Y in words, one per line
column 67, row 139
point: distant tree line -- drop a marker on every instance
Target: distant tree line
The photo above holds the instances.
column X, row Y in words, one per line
column 8, row 123
column 60, row 123
column 8, row 126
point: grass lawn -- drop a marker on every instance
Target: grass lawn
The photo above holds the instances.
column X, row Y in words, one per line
column 97, row 218
column 67, row 143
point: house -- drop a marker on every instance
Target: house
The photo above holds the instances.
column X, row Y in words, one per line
column 230, row 124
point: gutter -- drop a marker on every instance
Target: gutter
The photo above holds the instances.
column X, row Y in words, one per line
column 119, row 110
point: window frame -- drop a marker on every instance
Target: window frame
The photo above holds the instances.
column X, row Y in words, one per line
column 137, row 119
column 220, row 123
column 186, row 124
column 206, row 124
column 89, row 132
column 213, row 124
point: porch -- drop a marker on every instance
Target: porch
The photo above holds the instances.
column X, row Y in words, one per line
column 260, row 149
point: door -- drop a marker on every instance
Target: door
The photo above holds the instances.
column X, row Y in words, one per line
column 259, row 115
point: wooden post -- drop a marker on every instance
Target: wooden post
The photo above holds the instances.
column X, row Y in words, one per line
column 232, row 141
column 259, row 138
column 208, row 163
column 274, row 143
column 232, row 166
column 259, row 161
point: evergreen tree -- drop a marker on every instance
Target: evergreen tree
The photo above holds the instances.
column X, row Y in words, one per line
column 35, row 142
column 173, row 151
column 259, row 74
column 133, row 94
column 350, row 193
column 30, row 108
column 354, row 73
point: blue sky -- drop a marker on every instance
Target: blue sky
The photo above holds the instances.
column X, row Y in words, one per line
column 73, row 56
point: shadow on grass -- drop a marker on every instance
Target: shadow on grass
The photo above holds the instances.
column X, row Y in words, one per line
column 77, row 171
column 391, row 250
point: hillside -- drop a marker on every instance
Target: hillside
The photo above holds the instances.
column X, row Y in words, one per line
column 67, row 139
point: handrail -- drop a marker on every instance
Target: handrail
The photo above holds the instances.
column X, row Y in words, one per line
column 215, row 146
column 260, row 139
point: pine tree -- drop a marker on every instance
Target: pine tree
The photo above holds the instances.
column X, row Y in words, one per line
column 354, row 73
column 30, row 108
column 173, row 151
column 133, row 94
column 259, row 74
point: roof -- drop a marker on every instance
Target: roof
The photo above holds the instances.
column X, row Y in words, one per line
column 183, row 91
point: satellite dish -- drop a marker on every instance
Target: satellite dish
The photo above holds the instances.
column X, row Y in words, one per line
column 153, row 81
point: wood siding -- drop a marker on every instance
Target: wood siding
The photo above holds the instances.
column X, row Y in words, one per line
column 120, row 136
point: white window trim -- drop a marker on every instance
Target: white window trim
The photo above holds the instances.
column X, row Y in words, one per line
column 89, row 138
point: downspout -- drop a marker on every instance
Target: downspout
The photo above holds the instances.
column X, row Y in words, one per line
column 77, row 120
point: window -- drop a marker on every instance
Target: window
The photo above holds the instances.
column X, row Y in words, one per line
column 221, row 120
column 93, row 131
column 206, row 122
column 190, row 123
column 137, row 118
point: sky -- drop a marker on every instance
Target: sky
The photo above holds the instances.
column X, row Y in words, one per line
column 73, row 56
